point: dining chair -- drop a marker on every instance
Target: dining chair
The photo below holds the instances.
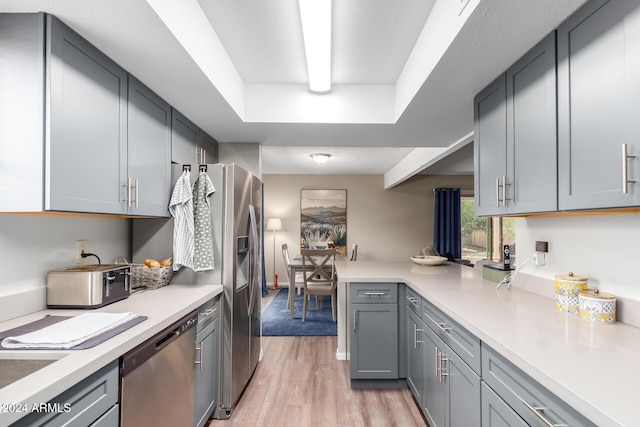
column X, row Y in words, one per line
column 286, row 259
column 319, row 277
column 354, row 252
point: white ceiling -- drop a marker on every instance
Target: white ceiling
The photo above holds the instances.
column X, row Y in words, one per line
column 404, row 71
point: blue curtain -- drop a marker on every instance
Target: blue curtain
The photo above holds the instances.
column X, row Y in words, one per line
column 447, row 230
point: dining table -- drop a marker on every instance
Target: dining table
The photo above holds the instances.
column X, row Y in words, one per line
column 295, row 266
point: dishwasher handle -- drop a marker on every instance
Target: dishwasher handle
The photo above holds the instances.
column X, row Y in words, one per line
column 167, row 339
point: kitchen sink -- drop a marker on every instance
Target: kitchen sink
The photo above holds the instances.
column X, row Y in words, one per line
column 14, row 369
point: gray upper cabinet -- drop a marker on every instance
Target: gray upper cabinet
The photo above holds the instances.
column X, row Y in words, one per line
column 184, row 139
column 149, row 152
column 490, row 147
column 78, row 135
column 21, row 112
column 599, row 106
column 191, row 145
column 515, row 137
column 207, row 148
column 531, row 131
column 87, row 114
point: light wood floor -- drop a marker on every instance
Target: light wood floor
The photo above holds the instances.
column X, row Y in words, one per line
column 300, row 383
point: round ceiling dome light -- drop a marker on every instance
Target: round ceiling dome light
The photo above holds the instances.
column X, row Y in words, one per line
column 320, row 157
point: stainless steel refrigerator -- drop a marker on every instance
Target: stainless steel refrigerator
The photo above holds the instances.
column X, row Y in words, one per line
column 236, row 224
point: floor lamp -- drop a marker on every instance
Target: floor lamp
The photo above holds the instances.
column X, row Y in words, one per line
column 274, row 224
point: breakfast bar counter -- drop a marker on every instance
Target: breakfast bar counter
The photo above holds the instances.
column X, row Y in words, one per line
column 592, row 367
column 162, row 307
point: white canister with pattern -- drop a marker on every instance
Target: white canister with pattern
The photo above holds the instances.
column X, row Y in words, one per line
column 596, row 306
column 568, row 287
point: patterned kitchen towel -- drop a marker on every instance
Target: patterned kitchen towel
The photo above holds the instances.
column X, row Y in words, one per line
column 203, row 238
column 181, row 209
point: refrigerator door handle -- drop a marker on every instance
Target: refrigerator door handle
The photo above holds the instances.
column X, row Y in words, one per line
column 253, row 256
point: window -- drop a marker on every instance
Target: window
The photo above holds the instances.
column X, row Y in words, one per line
column 483, row 238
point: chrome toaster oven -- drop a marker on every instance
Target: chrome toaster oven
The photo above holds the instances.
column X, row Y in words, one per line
column 88, row 286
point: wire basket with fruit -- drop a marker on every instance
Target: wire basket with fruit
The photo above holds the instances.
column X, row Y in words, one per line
column 152, row 274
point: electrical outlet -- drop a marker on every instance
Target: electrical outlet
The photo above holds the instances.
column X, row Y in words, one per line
column 82, row 246
column 538, row 258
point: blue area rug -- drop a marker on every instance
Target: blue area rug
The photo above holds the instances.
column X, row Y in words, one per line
column 276, row 321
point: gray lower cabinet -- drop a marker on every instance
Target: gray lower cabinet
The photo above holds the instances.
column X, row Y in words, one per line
column 374, row 331
column 461, row 341
column 459, row 381
column 414, row 344
column 495, row 411
column 148, row 152
column 452, row 388
column 515, row 137
column 599, row 106
column 415, row 356
column 207, row 362
column 523, row 396
column 91, row 402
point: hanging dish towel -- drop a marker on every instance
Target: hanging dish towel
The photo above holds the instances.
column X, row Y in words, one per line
column 181, row 209
column 203, row 238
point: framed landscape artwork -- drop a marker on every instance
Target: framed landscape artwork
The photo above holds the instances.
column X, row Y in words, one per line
column 323, row 219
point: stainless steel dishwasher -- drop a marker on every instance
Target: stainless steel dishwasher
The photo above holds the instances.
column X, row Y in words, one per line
column 157, row 378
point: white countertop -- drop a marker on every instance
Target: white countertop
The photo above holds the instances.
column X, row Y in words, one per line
column 162, row 307
column 592, row 367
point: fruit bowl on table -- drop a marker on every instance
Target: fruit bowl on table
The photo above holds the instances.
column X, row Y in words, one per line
column 428, row 259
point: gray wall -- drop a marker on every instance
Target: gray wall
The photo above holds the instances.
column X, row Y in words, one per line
column 603, row 247
column 387, row 225
column 31, row 245
column 246, row 154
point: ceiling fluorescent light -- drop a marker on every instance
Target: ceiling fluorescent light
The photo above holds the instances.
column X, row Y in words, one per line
column 320, row 157
column 316, row 32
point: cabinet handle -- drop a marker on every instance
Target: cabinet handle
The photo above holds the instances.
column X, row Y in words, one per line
column 355, row 319
column 128, row 185
column 537, row 411
column 437, row 363
column 200, row 348
column 625, row 178
column 128, row 199
column 498, row 192
column 443, row 373
column 412, row 300
column 504, row 191
column 137, row 186
column 441, row 326
column 208, row 313
column 415, row 335
column 374, row 294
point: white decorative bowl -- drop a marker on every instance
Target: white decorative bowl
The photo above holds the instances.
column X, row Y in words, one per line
column 428, row 260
